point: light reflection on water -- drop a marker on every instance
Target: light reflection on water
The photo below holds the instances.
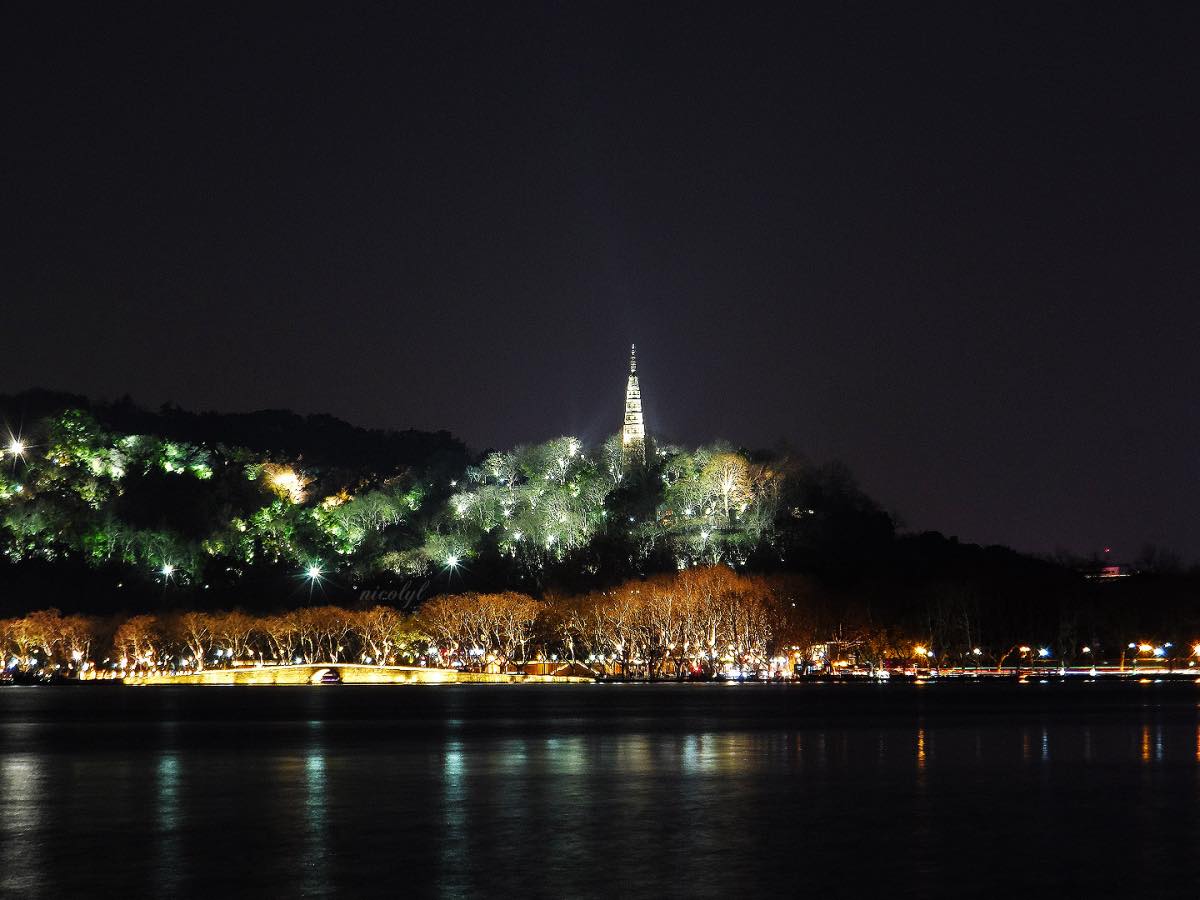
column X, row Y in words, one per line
column 451, row 828
column 563, row 792
column 167, row 824
column 21, row 791
column 316, row 813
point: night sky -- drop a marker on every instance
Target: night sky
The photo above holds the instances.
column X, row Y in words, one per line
column 952, row 245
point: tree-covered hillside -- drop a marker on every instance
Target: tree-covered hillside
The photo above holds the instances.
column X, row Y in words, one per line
column 249, row 504
column 105, row 508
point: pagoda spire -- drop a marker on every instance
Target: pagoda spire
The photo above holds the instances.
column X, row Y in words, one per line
column 633, row 435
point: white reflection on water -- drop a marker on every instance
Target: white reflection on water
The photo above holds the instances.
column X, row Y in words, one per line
column 21, row 780
column 316, row 813
column 713, row 754
column 167, row 825
column 452, row 831
column 558, row 797
column 633, row 755
column 566, row 756
column 689, row 754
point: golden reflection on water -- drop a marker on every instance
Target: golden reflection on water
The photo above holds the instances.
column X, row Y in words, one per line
column 1151, row 745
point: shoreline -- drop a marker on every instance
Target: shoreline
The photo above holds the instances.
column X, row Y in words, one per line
column 357, row 674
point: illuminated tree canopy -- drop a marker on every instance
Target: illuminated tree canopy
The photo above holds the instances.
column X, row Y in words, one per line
column 604, row 559
column 189, row 514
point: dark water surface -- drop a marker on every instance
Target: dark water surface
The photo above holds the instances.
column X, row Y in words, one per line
column 600, row 790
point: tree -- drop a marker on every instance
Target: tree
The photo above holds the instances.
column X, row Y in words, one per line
column 282, row 633
column 234, row 631
column 727, row 485
column 387, row 635
column 194, row 631
column 507, row 621
column 74, row 639
column 137, row 641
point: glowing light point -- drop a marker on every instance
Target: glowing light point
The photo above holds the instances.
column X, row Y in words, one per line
column 168, row 570
column 16, row 447
column 313, row 572
column 452, row 561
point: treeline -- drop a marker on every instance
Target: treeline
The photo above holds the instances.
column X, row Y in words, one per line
column 702, row 621
column 319, row 439
column 699, row 622
column 152, row 514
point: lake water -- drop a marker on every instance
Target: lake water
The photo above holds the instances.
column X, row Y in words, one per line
column 601, row 790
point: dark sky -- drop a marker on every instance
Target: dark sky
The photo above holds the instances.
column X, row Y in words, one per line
column 953, row 245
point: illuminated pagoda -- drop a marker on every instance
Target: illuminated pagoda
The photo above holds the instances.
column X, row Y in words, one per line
column 633, row 435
